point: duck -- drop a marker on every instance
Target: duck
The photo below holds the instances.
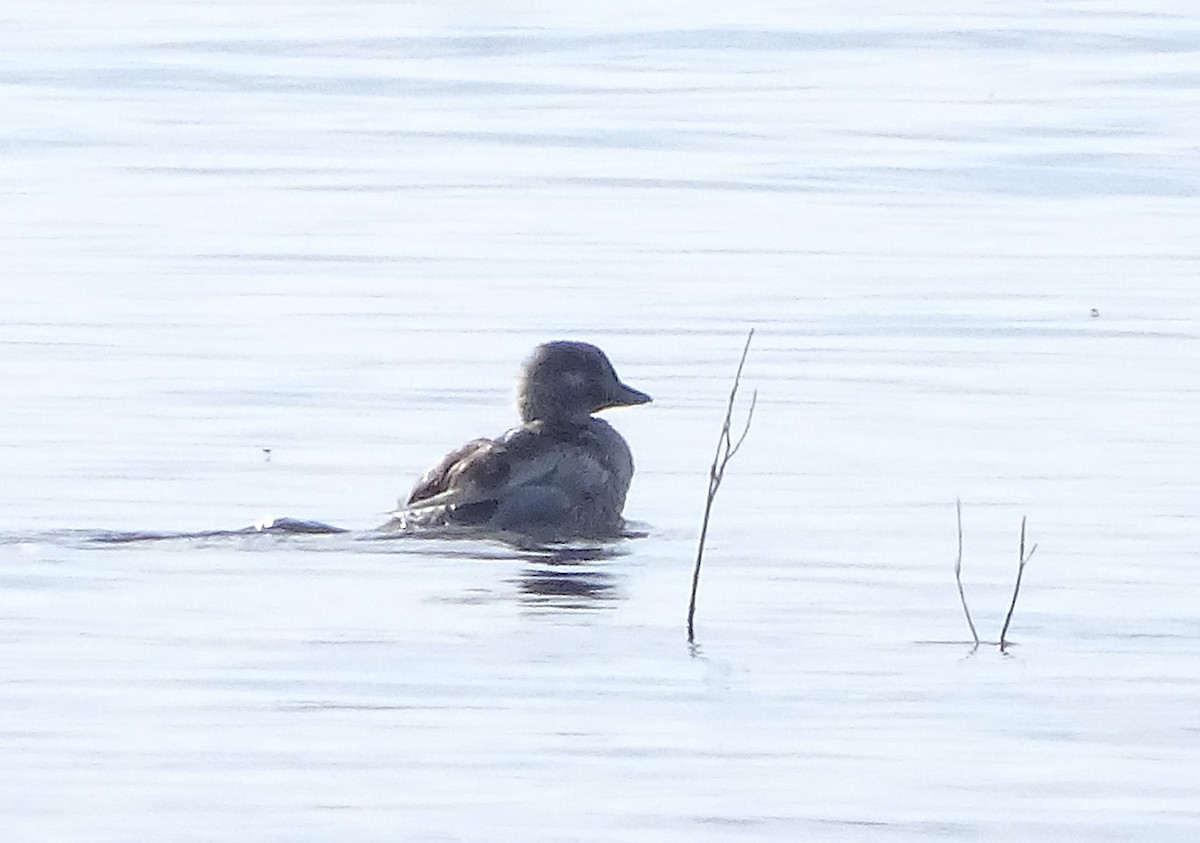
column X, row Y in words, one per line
column 562, row 474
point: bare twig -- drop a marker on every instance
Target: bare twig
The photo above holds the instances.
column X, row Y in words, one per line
column 958, row 575
column 726, row 448
column 1022, row 559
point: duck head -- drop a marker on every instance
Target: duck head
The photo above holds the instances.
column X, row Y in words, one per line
column 568, row 381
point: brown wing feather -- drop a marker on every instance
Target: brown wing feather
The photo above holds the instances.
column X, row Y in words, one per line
column 441, row 477
column 484, row 469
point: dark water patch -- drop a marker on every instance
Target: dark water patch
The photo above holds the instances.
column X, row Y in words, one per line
column 278, row 527
column 446, row 542
column 474, row 543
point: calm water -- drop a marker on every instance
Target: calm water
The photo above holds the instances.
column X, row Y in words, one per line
column 334, row 230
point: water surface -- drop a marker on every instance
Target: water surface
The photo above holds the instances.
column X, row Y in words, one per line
column 967, row 240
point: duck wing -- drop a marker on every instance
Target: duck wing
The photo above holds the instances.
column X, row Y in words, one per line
column 484, row 470
column 441, row 479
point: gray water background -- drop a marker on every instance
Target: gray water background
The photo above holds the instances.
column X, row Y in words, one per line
column 334, row 230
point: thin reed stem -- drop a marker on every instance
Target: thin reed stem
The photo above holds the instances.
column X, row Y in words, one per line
column 726, row 448
column 1022, row 559
column 958, row 575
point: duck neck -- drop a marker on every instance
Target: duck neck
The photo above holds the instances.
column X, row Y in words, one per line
column 559, row 421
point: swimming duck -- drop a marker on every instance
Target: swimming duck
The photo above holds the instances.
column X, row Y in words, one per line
column 562, row 474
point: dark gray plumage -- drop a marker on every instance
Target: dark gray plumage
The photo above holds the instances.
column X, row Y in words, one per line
column 562, row 474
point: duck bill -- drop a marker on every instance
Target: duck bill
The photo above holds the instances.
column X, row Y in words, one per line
column 627, row 396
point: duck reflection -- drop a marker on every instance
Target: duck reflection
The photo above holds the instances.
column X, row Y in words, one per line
column 568, row 589
column 566, row 577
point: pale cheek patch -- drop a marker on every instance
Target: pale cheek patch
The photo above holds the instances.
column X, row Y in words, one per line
column 574, row 381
